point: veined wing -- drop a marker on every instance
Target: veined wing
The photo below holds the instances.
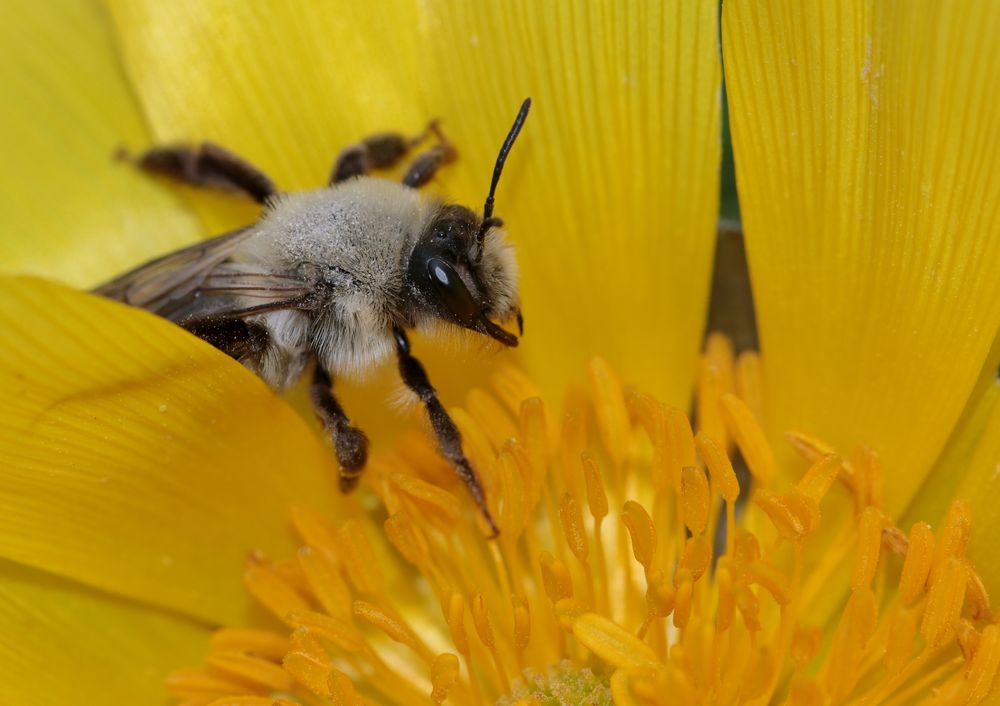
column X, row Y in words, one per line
column 200, row 281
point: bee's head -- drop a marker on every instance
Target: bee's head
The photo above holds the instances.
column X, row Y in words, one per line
column 465, row 279
column 463, row 267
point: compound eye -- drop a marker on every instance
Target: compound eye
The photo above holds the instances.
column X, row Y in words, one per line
column 451, row 291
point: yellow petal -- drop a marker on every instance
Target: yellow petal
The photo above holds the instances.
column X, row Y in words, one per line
column 865, row 143
column 70, row 211
column 138, row 459
column 611, row 194
column 62, row 643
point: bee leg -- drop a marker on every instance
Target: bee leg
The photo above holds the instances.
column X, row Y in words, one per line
column 385, row 149
column 425, row 166
column 449, row 439
column 350, row 443
column 206, row 165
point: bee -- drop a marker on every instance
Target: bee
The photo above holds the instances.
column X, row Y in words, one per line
column 335, row 277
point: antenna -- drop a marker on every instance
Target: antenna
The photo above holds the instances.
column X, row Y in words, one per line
column 515, row 130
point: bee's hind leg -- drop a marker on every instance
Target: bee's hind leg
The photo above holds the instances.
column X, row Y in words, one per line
column 449, row 439
column 349, row 442
column 206, row 165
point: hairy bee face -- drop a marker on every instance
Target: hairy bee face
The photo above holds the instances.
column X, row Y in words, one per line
column 462, row 278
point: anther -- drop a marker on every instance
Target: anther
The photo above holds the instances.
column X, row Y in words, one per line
column 694, row 499
column 611, row 642
column 359, row 558
column 272, row 591
column 719, row 466
column 749, row 437
column 944, row 602
column 869, row 547
column 325, row 581
column 393, row 627
column 641, row 530
column 917, row 565
column 610, row 409
column 444, row 674
column 572, row 523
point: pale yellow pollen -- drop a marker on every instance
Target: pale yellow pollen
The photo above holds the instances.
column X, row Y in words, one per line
column 615, row 556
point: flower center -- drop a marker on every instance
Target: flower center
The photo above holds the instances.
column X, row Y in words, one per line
column 636, row 559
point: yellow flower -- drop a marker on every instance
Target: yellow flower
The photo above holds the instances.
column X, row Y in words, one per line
column 139, row 466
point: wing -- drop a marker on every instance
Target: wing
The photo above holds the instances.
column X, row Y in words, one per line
column 200, row 281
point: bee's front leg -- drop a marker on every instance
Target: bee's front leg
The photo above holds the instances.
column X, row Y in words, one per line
column 449, row 439
column 350, row 443
column 385, row 149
